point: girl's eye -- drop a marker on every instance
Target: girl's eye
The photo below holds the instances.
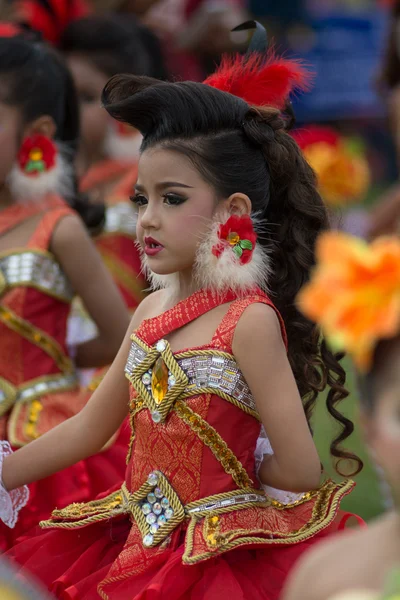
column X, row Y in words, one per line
column 87, row 98
column 174, row 199
column 138, row 200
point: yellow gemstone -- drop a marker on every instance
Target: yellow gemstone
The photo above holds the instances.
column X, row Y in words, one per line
column 214, row 521
column 159, row 380
column 233, row 238
column 36, row 154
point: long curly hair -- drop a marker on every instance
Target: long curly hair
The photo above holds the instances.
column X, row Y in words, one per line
column 240, row 148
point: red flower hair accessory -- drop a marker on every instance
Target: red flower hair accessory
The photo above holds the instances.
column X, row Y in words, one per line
column 239, row 235
column 37, row 155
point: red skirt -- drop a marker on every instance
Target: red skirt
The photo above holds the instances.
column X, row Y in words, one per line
column 79, row 483
column 72, row 563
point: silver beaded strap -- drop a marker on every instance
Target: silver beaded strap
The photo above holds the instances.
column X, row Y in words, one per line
column 35, row 388
column 34, row 269
column 226, row 502
column 121, row 218
column 218, row 372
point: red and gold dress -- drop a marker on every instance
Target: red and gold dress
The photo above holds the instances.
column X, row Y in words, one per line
column 116, row 243
column 38, row 384
column 191, row 520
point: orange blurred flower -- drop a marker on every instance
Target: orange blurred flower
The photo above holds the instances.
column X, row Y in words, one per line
column 354, row 293
column 343, row 174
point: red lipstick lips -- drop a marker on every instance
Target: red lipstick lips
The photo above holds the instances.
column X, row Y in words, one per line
column 151, row 246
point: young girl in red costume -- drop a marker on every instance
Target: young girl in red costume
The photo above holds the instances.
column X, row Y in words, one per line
column 96, row 48
column 222, row 490
column 46, row 256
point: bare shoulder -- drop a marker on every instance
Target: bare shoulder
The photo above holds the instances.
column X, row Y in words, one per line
column 149, row 307
column 69, row 230
column 258, row 323
column 347, row 553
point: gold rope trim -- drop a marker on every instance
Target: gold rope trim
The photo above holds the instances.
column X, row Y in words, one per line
column 135, row 408
column 310, row 529
column 37, row 337
column 124, row 276
column 209, row 436
column 218, row 392
column 132, row 500
column 104, row 509
column 173, row 393
column 23, row 250
column 10, row 393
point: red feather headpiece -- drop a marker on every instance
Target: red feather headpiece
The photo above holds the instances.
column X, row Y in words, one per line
column 260, row 80
column 8, row 29
column 50, row 18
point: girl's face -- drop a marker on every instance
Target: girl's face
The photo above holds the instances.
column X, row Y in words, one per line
column 10, row 125
column 383, row 425
column 175, row 207
column 90, row 82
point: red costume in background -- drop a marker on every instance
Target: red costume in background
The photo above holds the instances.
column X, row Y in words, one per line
column 38, row 384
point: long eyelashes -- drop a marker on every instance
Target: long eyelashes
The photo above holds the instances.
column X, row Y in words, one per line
column 138, row 200
column 170, row 199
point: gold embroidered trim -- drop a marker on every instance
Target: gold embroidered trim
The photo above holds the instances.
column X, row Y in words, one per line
column 10, row 252
column 37, row 337
column 135, row 407
column 95, row 510
column 209, row 436
column 36, row 406
column 211, row 531
column 8, row 395
column 124, row 276
column 321, row 518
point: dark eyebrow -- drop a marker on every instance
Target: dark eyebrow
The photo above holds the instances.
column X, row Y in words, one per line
column 163, row 185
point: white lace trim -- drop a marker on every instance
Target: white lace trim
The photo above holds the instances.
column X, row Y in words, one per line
column 10, row 502
column 264, row 448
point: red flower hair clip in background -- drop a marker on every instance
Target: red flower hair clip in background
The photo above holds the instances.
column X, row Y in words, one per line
column 37, row 155
column 238, row 235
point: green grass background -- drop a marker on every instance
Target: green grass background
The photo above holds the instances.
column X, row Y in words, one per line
column 366, row 500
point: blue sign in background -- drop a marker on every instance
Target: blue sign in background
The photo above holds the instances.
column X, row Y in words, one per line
column 345, row 58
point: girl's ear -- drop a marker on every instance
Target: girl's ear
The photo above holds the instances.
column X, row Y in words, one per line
column 43, row 125
column 238, row 204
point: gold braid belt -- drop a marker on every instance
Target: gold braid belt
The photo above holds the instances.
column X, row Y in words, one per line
column 157, row 509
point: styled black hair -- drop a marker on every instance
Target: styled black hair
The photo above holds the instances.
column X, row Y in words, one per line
column 239, row 148
column 115, row 44
column 34, row 78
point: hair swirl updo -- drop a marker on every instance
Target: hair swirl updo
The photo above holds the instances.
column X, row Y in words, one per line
column 240, row 148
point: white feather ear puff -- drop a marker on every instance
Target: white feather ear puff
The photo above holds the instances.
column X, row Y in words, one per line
column 122, row 142
column 229, row 258
column 40, row 169
column 226, row 259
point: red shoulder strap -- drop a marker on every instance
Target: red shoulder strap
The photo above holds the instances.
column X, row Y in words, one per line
column 152, row 330
column 223, row 337
column 42, row 235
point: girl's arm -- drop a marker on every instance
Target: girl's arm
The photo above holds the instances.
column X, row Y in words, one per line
column 84, row 434
column 261, row 356
column 83, row 266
